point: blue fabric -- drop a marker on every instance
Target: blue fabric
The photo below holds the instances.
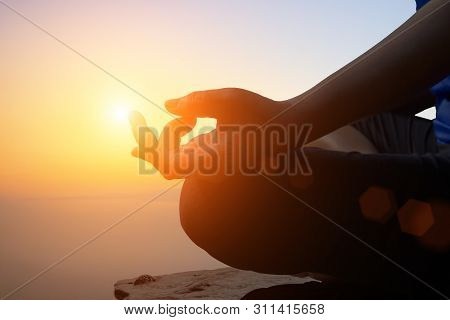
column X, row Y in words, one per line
column 421, row 3
column 441, row 91
column 442, row 122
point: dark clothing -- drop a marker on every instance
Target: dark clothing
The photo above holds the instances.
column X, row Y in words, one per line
column 407, row 147
column 399, row 133
column 252, row 224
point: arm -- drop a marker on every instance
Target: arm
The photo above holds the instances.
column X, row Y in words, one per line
column 394, row 74
column 410, row 60
column 421, row 101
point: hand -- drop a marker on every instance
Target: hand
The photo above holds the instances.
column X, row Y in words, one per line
column 228, row 106
column 238, row 107
column 164, row 152
column 233, row 108
column 168, row 156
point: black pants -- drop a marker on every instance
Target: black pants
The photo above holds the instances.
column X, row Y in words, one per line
column 268, row 226
column 394, row 133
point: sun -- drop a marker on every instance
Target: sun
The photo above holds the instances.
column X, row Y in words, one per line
column 120, row 112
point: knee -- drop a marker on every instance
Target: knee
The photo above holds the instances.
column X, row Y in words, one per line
column 250, row 224
column 213, row 219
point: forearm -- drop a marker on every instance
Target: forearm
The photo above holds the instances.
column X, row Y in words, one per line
column 421, row 101
column 410, row 60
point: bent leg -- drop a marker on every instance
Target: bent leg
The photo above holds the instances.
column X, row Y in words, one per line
column 392, row 133
column 251, row 223
column 397, row 133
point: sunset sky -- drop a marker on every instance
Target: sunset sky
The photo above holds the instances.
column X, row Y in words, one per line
column 63, row 149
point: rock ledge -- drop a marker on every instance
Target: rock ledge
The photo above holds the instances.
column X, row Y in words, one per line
column 224, row 283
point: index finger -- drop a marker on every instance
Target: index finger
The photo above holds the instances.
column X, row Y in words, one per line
column 142, row 134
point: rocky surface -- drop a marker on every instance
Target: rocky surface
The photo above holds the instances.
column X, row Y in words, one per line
column 224, row 283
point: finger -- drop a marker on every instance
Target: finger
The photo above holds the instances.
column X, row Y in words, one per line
column 136, row 120
column 205, row 153
column 166, row 170
column 172, row 133
column 135, row 152
column 150, row 157
column 142, row 134
column 205, row 104
column 183, row 162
